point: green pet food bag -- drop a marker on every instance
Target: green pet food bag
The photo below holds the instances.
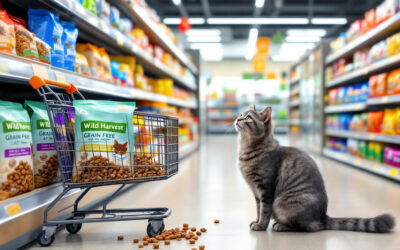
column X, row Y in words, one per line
column 104, row 130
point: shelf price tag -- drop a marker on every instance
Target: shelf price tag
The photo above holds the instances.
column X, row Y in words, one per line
column 61, row 78
column 13, row 209
column 376, row 167
column 372, row 136
column 120, row 39
column 357, row 161
column 104, row 26
column 40, row 70
column 384, row 99
column 393, row 172
column 3, row 68
column 368, row 164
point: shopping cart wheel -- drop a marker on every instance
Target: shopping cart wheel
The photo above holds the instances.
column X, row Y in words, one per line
column 41, row 239
column 73, row 228
column 155, row 227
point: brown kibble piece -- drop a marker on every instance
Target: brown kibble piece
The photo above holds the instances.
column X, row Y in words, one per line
column 140, row 246
column 135, row 240
column 156, row 245
column 188, row 236
column 166, row 242
column 202, row 247
column 185, row 225
column 194, row 248
column 195, row 237
column 120, row 237
column 198, row 233
column 145, row 242
column 216, row 221
column 192, row 241
column 193, row 229
column 159, row 237
column 203, row 229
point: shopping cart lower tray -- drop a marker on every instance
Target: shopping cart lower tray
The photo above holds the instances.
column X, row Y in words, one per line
column 154, row 157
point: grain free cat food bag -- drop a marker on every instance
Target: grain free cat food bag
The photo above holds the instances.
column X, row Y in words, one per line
column 16, row 173
column 45, row 162
column 103, row 129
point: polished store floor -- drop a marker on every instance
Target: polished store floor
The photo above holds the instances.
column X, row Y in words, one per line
column 209, row 186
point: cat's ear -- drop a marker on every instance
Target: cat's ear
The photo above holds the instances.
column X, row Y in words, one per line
column 125, row 144
column 252, row 107
column 266, row 114
column 115, row 142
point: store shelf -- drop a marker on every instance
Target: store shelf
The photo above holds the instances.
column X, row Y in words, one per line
column 371, row 166
column 294, row 104
column 294, row 81
column 390, row 99
column 156, row 34
column 295, row 91
column 377, row 67
column 364, row 136
column 98, row 32
column 378, row 33
column 294, row 122
column 188, row 148
column 222, row 117
column 350, row 107
column 17, row 69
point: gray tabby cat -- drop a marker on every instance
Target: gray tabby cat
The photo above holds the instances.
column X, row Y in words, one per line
column 287, row 184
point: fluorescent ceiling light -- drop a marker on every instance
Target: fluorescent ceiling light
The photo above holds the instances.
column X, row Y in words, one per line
column 203, row 32
column 177, row 20
column 251, row 44
column 306, row 32
column 297, row 45
column 256, row 20
column 285, row 58
column 208, row 39
column 302, row 39
column 323, row 20
column 259, row 3
column 177, row 2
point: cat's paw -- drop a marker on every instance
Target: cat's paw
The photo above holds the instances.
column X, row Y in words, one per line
column 258, row 227
column 253, row 222
column 278, row 227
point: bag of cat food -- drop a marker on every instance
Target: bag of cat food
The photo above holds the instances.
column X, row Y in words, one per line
column 47, row 27
column 93, row 57
column 7, row 34
column 16, row 173
column 24, row 39
column 103, row 133
column 81, row 64
column 105, row 61
column 45, row 162
column 44, row 50
column 68, row 39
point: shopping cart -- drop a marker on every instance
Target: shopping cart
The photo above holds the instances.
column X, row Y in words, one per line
column 154, row 157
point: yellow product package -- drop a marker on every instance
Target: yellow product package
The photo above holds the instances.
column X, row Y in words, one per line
column 388, row 124
column 93, row 57
column 105, row 62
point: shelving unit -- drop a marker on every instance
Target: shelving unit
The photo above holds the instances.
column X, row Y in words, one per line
column 25, row 212
column 380, row 32
column 371, row 166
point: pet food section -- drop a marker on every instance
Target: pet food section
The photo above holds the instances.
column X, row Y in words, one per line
column 118, row 51
column 360, row 92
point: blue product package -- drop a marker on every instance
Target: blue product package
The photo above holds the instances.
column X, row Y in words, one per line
column 47, row 27
column 69, row 37
column 364, row 89
column 115, row 71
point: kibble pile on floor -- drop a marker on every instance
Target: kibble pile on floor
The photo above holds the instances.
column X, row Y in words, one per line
column 190, row 234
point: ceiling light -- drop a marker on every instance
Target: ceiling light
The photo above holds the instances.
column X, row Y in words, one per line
column 177, row 2
column 203, row 32
column 204, row 39
column 285, row 58
column 306, row 32
column 256, row 20
column 251, row 44
column 259, row 3
column 177, row 20
column 302, row 39
column 323, row 20
column 297, row 45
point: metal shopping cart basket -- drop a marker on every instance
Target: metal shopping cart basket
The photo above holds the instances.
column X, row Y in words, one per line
column 155, row 157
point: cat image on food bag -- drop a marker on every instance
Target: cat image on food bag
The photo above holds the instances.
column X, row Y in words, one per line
column 120, row 150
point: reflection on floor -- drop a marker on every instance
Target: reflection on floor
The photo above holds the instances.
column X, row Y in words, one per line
column 209, row 186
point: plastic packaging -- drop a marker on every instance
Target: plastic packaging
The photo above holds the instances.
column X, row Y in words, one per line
column 69, row 37
column 81, row 64
column 393, row 82
column 7, row 33
column 24, row 40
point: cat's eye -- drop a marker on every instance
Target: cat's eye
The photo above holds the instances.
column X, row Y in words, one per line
column 241, row 115
column 248, row 118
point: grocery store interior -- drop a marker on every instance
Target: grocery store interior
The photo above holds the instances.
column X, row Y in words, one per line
column 153, row 124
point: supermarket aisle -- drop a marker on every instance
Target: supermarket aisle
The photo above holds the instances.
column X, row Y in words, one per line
column 209, row 186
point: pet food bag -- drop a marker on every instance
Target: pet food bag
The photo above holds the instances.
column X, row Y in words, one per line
column 45, row 162
column 93, row 57
column 7, row 34
column 81, row 64
column 68, row 39
column 44, row 50
column 16, row 173
column 47, row 27
column 24, row 39
column 104, row 129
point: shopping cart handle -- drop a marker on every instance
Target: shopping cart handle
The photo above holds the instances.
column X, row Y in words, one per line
column 38, row 82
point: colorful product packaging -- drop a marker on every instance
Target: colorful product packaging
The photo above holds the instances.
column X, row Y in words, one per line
column 69, row 37
column 24, row 39
column 7, row 33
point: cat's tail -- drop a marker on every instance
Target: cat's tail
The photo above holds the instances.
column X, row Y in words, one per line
column 379, row 224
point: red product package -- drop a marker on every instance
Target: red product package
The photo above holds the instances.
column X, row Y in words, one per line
column 393, row 82
column 372, row 82
column 375, row 119
column 381, row 84
column 7, row 34
column 24, row 39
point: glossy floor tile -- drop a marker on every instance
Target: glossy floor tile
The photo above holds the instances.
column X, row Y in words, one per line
column 209, row 186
